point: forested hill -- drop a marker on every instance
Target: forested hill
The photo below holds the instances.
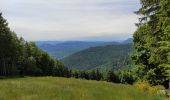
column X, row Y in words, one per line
column 110, row 56
column 64, row 49
column 60, row 49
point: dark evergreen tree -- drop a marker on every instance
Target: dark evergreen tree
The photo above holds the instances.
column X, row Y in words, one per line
column 152, row 41
column 93, row 75
column 112, row 77
column 18, row 57
column 126, row 77
column 99, row 75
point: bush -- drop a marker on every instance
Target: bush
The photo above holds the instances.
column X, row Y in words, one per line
column 156, row 90
column 143, row 85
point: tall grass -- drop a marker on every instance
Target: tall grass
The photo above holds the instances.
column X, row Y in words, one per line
column 52, row 88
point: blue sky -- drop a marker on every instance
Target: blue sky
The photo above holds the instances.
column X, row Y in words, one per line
column 37, row 20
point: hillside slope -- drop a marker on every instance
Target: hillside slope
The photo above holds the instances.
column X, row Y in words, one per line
column 64, row 49
column 52, row 88
column 111, row 56
column 61, row 49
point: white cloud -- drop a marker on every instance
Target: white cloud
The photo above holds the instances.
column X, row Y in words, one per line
column 70, row 19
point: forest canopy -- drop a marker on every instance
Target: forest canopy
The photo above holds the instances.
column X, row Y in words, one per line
column 19, row 57
column 151, row 54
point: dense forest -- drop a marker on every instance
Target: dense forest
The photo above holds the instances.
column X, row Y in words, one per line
column 151, row 54
column 19, row 57
column 109, row 56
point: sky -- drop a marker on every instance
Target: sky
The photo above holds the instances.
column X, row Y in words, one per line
column 63, row 20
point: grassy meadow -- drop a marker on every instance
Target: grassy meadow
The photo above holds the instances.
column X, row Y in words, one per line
column 53, row 88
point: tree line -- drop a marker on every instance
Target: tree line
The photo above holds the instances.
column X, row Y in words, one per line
column 115, row 76
column 21, row 58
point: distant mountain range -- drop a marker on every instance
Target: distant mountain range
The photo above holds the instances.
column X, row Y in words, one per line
column 60, row 49
column 109, row 56
column 128, row 41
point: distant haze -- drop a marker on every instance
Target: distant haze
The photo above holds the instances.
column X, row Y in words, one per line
column 39, row 20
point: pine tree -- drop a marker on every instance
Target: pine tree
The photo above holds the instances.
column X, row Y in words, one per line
column 18, row 57
column 8, row 51
column 151, row 54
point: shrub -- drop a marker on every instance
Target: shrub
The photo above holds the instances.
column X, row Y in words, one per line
column 143, row 85
column 156, row 90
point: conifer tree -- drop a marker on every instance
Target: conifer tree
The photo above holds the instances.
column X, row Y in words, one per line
column 151, row 54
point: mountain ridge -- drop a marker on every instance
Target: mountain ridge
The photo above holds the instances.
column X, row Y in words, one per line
column 62, row 49
column 111, row 55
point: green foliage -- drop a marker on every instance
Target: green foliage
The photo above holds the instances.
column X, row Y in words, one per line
column 21, row 58
column 121, row 76
column 61, row 70
column 152, row 42
column 88, row 74
column 110, row 56
column 145, row 86
column 112, row 77
column 126, row 76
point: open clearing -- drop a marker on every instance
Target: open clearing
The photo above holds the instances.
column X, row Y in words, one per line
column 54, row 88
